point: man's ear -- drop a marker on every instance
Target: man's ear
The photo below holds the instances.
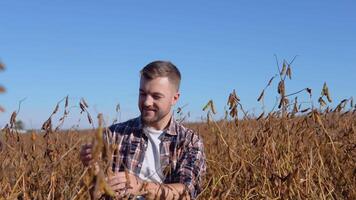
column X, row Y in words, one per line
column 175, row 98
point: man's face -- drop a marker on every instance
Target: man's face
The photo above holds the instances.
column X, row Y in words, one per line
column 156, row 98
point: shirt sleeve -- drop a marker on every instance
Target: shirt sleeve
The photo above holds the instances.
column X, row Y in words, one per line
column 193, row 165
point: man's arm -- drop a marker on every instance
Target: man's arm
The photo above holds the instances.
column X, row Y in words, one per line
column 192, row 165
column 125, row 183
column 166, row 191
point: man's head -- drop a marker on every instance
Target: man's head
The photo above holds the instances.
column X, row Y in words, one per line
column 159, row 91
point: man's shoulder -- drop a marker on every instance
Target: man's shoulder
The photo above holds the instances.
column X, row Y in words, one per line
column 129, row 124
column 186, row 133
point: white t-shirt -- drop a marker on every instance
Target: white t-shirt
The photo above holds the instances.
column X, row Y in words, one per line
column 151, row 166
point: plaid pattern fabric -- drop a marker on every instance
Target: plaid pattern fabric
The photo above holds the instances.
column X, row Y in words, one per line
column 182, row 155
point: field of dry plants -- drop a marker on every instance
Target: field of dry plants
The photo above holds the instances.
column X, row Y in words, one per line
column 290, row 152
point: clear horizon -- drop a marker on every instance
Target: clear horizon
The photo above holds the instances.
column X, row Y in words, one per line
column 94, row 51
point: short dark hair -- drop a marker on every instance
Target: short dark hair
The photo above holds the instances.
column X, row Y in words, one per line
column 161, row 68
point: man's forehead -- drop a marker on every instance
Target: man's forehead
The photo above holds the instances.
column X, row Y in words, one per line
column 158, row 81
column 158, row 78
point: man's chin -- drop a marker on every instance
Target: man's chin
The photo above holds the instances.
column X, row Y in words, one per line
column 148, row 120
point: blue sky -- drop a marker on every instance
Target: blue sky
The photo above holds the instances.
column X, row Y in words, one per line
column 95, row 49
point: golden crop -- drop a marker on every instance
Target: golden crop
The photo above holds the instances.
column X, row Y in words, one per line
column 287, row 153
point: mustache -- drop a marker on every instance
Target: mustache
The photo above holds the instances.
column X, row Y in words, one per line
column 149, row 108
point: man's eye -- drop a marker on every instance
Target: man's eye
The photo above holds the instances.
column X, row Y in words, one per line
column 156, row 97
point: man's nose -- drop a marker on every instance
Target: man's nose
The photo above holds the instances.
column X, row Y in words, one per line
column 148, row 101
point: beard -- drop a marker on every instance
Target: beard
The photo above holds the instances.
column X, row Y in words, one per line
column 152, row 116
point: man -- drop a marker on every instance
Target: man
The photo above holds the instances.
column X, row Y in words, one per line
column 165, row 160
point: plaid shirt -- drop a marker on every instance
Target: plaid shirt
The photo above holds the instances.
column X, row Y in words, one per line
column 181, row 149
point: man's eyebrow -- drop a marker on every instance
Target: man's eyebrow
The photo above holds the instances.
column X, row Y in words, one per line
column 158, row 94
column 154, row 93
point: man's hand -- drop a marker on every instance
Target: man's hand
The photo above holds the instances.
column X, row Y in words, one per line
column 85, row 154
column 125, row 183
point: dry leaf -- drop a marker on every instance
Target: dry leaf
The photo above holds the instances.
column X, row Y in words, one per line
column 261, row 95
column 85, row 103
column 289, row 72
column 55, row 109
column 2, row 66
column 66, row 103
column 321, row 102
column 281, row 88
column 2, row 89
column 309, row 91
column 283, row 71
